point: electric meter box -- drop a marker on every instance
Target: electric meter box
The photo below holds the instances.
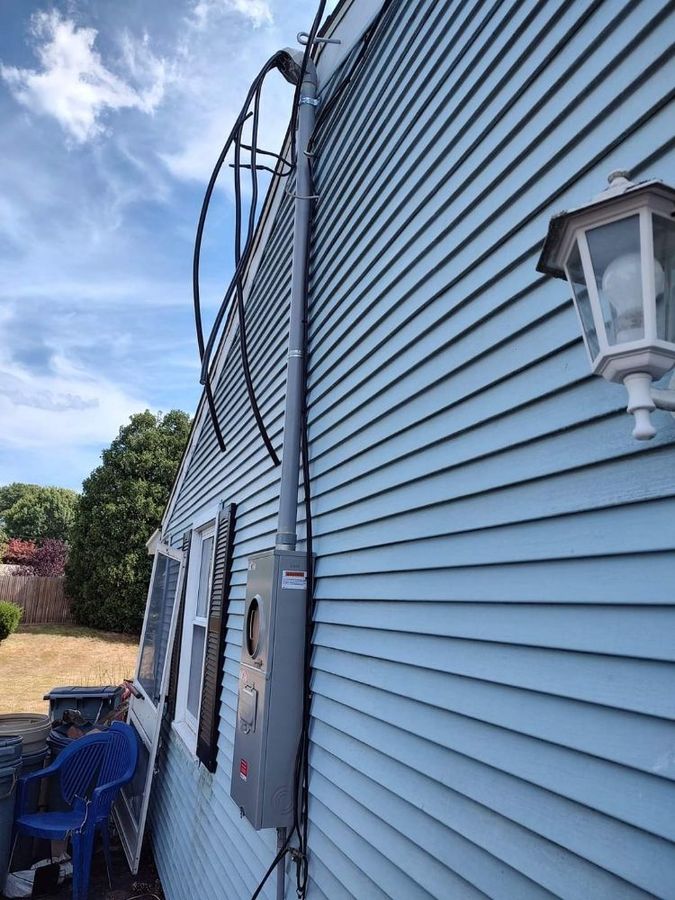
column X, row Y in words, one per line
column 269, row 707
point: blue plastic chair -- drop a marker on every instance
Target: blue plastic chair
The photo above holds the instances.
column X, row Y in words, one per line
column 91, row 771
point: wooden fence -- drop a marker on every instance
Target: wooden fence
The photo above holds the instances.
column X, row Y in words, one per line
column 42, row 599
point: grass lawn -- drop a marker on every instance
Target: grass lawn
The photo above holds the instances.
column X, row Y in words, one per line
column 39, row 657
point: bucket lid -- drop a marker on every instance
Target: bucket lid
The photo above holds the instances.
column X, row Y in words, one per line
column 20, row 723
column 73, row 692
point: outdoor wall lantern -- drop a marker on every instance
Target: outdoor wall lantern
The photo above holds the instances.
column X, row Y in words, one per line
column 618, row 255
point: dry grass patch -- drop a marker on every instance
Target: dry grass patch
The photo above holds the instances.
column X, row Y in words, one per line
column 39, row 657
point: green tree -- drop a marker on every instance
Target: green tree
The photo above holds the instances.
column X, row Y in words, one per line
column 10, row 493
column 121, row 505
column 38, row 513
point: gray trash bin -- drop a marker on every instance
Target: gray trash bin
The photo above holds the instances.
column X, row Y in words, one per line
column 93, row 703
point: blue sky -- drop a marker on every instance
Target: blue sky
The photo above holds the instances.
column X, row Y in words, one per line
column 112, row 116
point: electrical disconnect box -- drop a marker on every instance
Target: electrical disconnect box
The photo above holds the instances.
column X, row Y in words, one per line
column 269, row 708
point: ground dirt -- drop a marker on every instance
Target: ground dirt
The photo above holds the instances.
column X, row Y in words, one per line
column 38, row 658
column 125, row 886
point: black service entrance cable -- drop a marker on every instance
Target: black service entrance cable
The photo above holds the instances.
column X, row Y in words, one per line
column 238, row 257
column 329, row 109
column 205, row 350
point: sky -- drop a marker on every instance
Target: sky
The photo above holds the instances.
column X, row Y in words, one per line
column 112, row 115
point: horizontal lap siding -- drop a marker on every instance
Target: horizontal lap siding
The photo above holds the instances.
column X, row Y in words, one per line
column 493, row 657
column 493, row 665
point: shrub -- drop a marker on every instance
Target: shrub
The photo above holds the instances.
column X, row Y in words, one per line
column 10, row 614
column 49, row 558
column 19, row 553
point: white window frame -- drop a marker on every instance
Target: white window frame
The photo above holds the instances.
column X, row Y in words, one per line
column 184, row 723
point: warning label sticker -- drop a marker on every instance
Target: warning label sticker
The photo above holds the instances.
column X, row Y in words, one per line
column 243, row 770
column 293, row 580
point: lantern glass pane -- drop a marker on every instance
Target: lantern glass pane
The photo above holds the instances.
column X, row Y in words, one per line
column 617, row 267
column 575, row 275
column 664, row 277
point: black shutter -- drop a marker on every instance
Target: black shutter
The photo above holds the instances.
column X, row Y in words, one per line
column 209, row 709
column 178, row 639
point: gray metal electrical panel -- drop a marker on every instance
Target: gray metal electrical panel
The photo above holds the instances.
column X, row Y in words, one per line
column 269, row 708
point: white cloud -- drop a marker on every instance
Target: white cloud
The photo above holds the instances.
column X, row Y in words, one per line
column 194, row 157
column 257, row 11
column 209, row 105
column 96, row 235
column 65, row 409
column 64, row 413
column 74, row 86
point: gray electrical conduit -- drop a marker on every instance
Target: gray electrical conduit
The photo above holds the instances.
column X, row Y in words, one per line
column 295, row 379
column 290, row 470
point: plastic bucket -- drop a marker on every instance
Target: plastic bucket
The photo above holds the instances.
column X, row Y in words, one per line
column 8, row 778
column 11, row 747
column 32, row 727
column 30, row 730
column 58, row 742
column 27, row 849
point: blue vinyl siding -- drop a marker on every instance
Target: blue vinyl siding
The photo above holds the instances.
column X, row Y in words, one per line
column 493, row 663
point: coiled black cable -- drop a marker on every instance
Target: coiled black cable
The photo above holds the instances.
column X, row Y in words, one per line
column 241, row 260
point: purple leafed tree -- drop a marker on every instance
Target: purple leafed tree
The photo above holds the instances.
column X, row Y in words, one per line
column 49, row 558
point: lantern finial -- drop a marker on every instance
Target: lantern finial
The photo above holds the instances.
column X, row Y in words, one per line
column 623, row 174
column 618, row 181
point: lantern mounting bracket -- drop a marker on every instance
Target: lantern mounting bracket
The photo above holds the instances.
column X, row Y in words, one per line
column 643, row 399
column 664, row 398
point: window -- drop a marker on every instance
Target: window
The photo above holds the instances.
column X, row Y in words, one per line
column 196, row 668
column 158, row 615
column 195, row 624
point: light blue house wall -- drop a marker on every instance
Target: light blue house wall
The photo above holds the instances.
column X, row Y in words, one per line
column 494, row 689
